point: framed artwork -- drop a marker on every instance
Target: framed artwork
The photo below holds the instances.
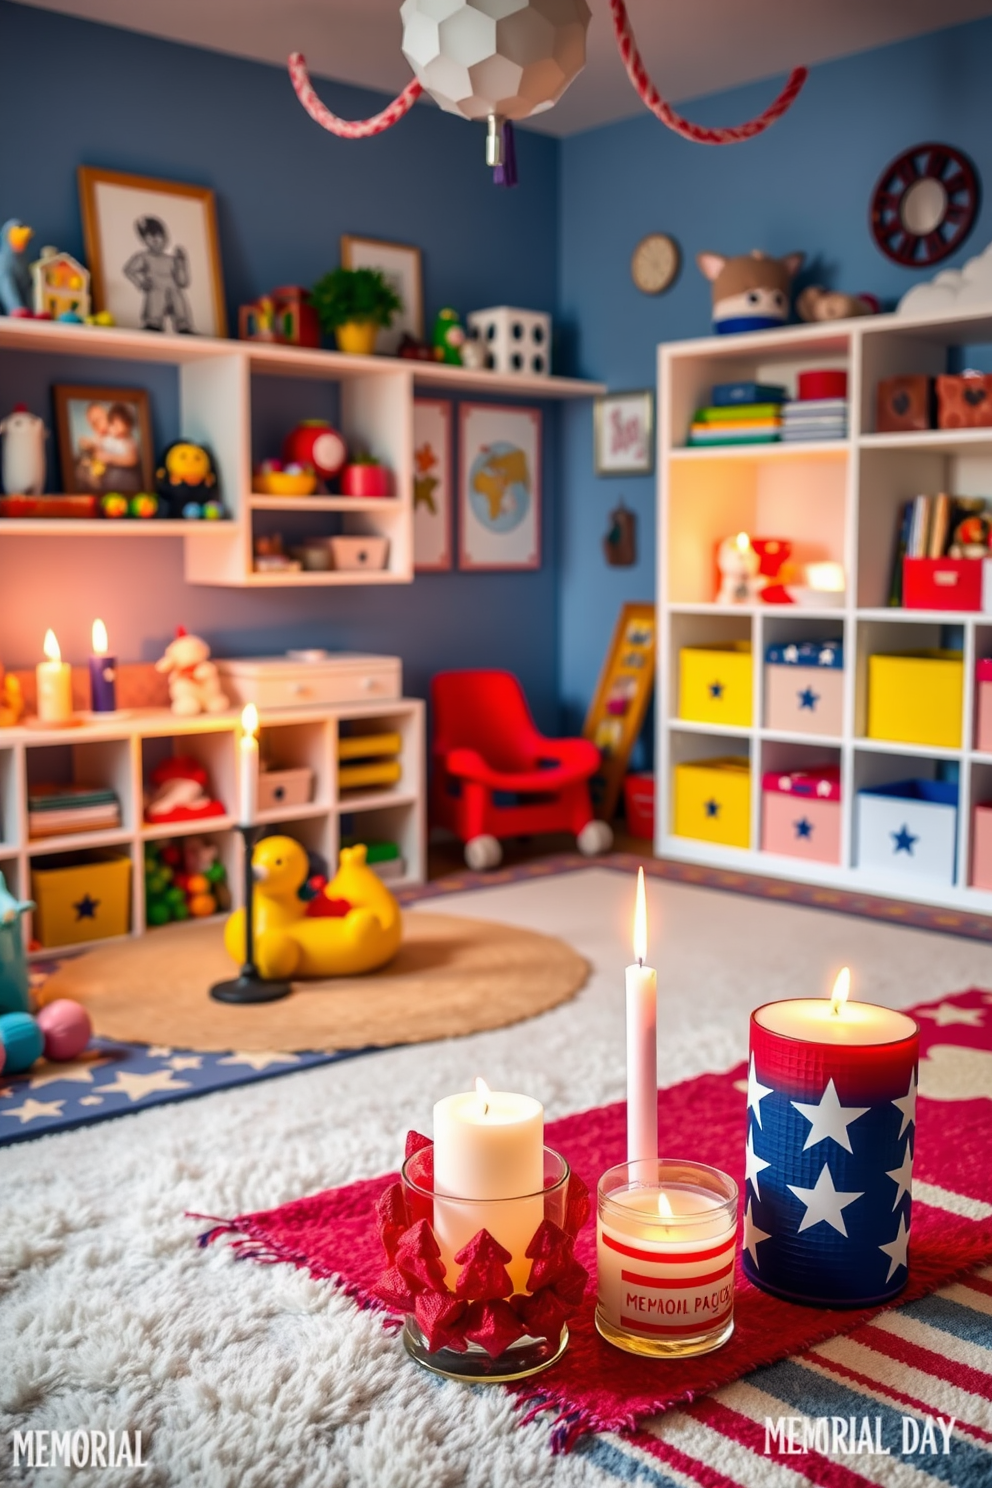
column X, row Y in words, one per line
column 623, row 433
column 105, row 440
column 616, row 713
column 153, row 252
column 432, row 503
column 400, row 267
column 499, row 501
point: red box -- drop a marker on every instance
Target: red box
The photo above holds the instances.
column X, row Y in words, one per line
column 904, row 403
column 638, row 800
column 825, row 382
column 964, row 402
column 942, row 583
column 983, row 708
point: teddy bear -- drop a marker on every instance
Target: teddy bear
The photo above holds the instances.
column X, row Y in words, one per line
column 194, row 684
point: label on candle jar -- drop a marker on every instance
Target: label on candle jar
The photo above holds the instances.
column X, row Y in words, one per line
column 671, row 1291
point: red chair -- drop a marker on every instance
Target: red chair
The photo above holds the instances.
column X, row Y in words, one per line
column 494, row 776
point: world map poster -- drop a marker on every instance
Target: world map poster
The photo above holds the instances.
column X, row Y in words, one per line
column 499, row 487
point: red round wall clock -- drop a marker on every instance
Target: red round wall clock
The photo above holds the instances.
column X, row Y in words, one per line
column 924, row 205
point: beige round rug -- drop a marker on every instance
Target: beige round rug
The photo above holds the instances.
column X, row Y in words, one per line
column 452, row 976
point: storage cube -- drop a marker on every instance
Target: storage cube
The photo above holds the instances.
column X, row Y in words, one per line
column 909, row 828
column 904, row 403
column 804, row 687
column 983, row 706
column 715, row 684
column 81, row 901
column 916, row 698
column 964, row 401
column 713, row 800
column 801, row 814
column 981, row 846
column 284, row 788
column 638, row 798
column 516, row 340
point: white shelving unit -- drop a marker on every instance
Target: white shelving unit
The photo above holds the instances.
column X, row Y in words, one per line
column 837, row 500
column 219, row 382
column 121, row 752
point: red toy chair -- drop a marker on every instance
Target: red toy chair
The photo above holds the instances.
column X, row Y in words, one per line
column 485, row 746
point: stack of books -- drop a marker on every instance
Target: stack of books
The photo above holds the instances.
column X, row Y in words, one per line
column 739, row 413
column 927, row 527
column 54, row 810
column 814, row 418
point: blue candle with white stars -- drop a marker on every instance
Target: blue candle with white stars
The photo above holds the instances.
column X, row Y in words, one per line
column 831, row 1132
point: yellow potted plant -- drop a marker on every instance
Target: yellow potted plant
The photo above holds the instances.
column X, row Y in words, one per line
column 354, row 303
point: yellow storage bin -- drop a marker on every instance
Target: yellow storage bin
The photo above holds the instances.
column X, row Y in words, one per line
column 81, row 901
column 916, row 698
column 715, row 684
column 713, row 800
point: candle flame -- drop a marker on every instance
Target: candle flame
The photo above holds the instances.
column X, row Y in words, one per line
column 640, row 921
column 51, row 646
column 665, row 1205
column 743, row 542
column 99, row 638
column 483, row 1092
column 249, row 720
column 841, row 992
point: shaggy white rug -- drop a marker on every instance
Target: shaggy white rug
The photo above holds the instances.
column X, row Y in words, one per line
column 248, row 1376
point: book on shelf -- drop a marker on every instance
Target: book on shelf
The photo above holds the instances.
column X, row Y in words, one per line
column 728, row 394
column 383, row 772
column 57, row 809
column 901, row 550
column 733, row 414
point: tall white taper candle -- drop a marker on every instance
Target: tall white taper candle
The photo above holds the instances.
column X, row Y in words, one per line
column 642, row 1042
column 249, row 767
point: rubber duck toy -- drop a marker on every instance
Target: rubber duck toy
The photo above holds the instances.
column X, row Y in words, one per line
column 15, row 272
column 352, row 926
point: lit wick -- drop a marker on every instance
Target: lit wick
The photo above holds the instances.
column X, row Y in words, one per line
column 483, row 1092
column 664, row 1205
column 640, row 921
column 841, row 992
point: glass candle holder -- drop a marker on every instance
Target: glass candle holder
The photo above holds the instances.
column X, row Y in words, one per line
column 666, row 1238
column 513, row 1224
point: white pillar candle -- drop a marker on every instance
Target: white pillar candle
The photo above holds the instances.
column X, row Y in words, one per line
column 488, row 1148
column 248, row 773
column 642, row 1043
column 54, row 681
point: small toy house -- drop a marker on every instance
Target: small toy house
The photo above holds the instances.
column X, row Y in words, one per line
column 61, row 285
column 284, row 316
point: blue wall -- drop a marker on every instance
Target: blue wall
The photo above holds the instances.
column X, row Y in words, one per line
column 806, row 184
column 73, row 93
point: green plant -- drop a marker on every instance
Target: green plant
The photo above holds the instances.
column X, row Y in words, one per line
column 354, row 294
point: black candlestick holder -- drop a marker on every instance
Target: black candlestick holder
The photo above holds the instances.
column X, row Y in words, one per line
column 249, row 986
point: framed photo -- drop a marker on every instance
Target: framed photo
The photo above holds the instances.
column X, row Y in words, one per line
column 433, row 507
column 153, row 252
column 400, row 267
column 105, row 440
column 623, row 433
column 499, row 508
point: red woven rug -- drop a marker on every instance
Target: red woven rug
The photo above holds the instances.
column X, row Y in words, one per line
column 596, row 1387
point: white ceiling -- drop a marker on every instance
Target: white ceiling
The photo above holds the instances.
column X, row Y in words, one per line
column 691, row 47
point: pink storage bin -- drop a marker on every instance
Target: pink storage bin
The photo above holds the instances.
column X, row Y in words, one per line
column 804, row 701
column 981, row 846
column 800, row 815
column 983, row 707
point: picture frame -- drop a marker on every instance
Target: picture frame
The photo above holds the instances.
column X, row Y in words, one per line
column 499, row 487
column 433, row 472
column 623, row 433
column 153, row 252
column 400, row 266
column 104, row 439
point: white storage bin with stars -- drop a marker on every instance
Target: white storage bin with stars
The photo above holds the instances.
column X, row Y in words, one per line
column 800, row 815
column 910, row 828
column 804, row 687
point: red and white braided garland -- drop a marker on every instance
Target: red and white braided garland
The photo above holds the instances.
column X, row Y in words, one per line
column 348, row 128
column 652, row 99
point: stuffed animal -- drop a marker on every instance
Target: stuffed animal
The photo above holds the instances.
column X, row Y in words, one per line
column 292, row 940
column 23, row 464
column 972, row 537
column 817, row 303
column 11, row 699
column 738, row 564
column 14, row 994
column 194, row 685
column 179, row 792
column 15, row 273
column 187, row 482
column 751, row 292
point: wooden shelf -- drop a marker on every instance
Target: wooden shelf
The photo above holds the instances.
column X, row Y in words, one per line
column 98, row 527
column 39, row 847
column 155, row 832
column 324, row 503
column 819, row 449
column 943, row 441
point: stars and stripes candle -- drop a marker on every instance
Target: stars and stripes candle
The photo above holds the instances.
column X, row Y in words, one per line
column 831, row 1097
column 665, row 1255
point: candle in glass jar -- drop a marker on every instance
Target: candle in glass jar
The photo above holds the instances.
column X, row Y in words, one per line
column 642, row 1042
column 488, row 1147
column 54, row 682
column 103, row 673
column 248, row 773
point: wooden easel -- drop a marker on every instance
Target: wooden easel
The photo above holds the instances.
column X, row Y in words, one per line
column 622, row 696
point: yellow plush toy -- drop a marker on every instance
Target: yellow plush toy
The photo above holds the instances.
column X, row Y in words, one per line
column 291, row 943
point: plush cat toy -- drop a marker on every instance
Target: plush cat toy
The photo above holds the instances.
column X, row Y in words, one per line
column 750, row 293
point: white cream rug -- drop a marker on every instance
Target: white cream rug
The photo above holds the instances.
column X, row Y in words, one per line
column 247, row 1376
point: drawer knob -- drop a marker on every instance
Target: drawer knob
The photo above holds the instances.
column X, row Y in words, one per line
column 369, row 684
column 300, row 689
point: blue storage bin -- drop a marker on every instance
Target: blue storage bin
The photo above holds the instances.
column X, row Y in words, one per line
column 909, row 828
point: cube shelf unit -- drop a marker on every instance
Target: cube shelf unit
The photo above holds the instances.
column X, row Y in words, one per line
column 121, row 752
column 837, row 500
column 223, row 389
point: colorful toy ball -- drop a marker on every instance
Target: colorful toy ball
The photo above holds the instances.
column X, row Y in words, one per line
column 66, row 1028
column 113, row 505
column 23, row 1042
column 144, row 505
